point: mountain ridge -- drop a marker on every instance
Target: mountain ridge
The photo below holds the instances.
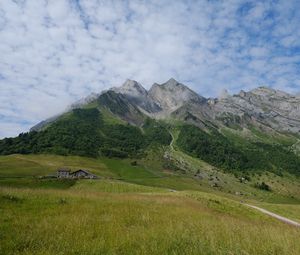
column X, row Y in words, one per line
column 260, row 106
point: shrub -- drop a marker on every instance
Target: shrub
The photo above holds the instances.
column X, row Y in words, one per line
column 263, row 186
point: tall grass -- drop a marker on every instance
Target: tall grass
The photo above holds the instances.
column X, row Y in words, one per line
column 139, row 215
column 81, row 221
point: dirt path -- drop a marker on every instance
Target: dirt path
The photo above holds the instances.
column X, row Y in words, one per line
column 274, row 215
column 295, row 146
column 171, row 144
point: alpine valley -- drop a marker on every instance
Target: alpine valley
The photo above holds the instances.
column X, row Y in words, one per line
column 177, row 172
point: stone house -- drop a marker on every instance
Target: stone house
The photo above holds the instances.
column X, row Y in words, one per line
column 63, row 173
column 67, row 174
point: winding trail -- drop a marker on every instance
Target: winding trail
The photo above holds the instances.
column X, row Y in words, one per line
column 294, row 146
column 274, row 215
column 171, row 144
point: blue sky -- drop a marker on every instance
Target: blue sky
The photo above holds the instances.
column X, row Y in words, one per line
column 54, row 52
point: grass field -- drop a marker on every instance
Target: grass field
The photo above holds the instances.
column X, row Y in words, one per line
column 133, row 210
column 56, row 221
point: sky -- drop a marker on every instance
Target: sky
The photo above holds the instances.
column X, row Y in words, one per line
column 54, row 52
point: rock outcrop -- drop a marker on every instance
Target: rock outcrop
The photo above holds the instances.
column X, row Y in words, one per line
column 172, row 95
column 273, row 108
column 136, row 93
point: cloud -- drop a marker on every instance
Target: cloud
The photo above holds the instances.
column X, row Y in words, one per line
column 56, row 52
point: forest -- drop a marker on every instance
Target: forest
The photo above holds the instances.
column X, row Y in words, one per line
column 83, row 132
column 218, row 150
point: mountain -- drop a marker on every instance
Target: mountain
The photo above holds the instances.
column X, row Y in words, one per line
column 263, row 107
column 136, row 94
column 250, row 131
column 268, row 107
column 173, row 95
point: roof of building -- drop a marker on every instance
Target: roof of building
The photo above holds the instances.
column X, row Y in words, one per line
column 81, row 170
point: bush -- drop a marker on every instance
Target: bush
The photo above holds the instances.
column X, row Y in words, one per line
column 263, row 186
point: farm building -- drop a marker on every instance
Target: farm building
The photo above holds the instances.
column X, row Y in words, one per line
column 63, row 173
column 66, row 173
column 83, row 174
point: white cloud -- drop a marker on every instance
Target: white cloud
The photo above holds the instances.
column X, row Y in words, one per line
column 55, row 52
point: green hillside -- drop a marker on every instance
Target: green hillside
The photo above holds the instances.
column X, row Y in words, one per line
column 136, row 209
column 237, row 155
column 85, row 132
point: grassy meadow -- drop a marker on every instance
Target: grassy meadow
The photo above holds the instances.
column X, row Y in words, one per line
column 133, row 210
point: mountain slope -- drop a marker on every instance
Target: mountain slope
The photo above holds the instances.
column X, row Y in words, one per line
column 121, row 106
column 265, row 106
column 84, row 132
column 251, row 131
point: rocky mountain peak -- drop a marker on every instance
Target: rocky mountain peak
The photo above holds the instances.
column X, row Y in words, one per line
column 132, row 88
column 171, row 83
column 172, row 95
column 138, row 95
column 174, row 85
